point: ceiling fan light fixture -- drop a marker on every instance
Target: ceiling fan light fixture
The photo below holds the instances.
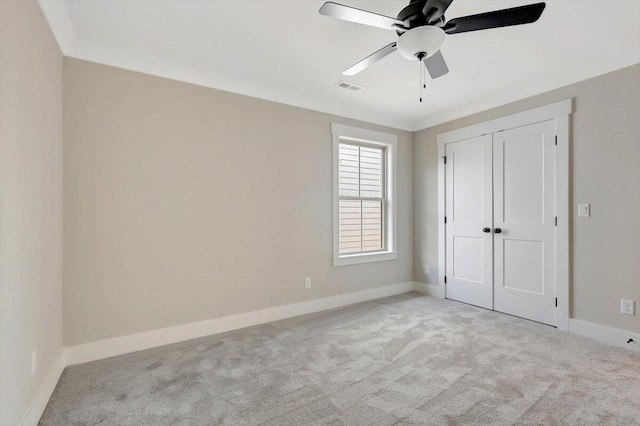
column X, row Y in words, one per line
column 421, row 28
column 421, row 42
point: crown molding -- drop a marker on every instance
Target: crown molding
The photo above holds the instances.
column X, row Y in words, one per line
column 512, row 95
column 56, row 14
column 207, row 78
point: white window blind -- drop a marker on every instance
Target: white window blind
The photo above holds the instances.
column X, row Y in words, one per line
column 361, row 198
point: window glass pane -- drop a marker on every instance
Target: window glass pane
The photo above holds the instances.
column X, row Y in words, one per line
column 360, row 172
column 348, row 173
column 371, row 225
column 359, row 226
column 371, row 172
column 350, row 226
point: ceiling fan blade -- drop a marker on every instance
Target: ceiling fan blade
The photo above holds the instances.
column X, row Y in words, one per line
column 370, row 60
column 499, row 18
column 351, row 14
column 436, row 65
column 433, row 10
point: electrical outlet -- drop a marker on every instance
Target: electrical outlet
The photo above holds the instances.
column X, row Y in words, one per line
column 34, row 362
column 426, row 269
column 307, row 282
column 627, row 307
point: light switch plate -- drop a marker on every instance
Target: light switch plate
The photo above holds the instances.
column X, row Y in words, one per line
column 584, row 210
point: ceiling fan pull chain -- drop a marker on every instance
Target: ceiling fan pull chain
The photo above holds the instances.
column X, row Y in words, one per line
column 420, row 69
column 424, row 76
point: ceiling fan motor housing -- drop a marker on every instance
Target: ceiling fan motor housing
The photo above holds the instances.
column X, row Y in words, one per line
column 421, row 42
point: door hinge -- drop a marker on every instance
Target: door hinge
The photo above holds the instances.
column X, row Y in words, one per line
column 445, row 219
column 556, row 220
column 445, row 279
column 444, row 159
column 556, row 302
column 556, row 140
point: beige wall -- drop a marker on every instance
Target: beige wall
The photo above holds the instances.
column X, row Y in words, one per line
column 31, row 200
column 605, row 171
column 184, row 203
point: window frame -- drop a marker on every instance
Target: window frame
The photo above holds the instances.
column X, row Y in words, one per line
column 389, row 142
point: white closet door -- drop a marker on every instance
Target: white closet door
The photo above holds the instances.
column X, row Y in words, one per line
column 468, row 198
column 524, row 164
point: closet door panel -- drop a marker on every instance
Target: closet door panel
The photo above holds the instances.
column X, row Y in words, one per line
column 468, row 209
column 524, row 222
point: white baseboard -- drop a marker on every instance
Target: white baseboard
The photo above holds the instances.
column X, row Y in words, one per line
column 149, row 339
column 430, row 289
column 140, row 341
column 40, row 401
column 601, row 333
column 607, row 335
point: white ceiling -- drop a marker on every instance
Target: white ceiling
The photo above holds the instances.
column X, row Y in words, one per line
column 286, row 52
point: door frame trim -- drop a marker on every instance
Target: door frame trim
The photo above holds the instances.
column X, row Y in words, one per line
column 561, row 112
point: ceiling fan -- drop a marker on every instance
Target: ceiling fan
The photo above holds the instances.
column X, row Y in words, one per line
column 421, row 28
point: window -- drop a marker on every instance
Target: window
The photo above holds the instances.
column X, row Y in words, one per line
column 364, row 208
column 361, row 202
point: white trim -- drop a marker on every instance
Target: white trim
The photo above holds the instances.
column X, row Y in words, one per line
column 390, row 142
column 365, row 258
column 606, row 335
column 563, row 211
column 560, row 112
column 548, row 112
column 61, row 25
column 41, row 399
column 442, row 236
column 363, row 135
column 430, row 289
column 505, row 96
column 229, row 83
column 56, row 14
column 122, row 345
column 150, row 339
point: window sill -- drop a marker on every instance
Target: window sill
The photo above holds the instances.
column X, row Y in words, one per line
column 365, row 258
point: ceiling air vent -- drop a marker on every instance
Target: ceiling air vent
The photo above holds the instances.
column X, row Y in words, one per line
column 349, row 86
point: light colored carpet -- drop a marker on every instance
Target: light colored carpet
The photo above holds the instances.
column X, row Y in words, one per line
column 408, row 359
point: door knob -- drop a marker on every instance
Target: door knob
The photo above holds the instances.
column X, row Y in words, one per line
column 497, row 230
column 486, row 230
